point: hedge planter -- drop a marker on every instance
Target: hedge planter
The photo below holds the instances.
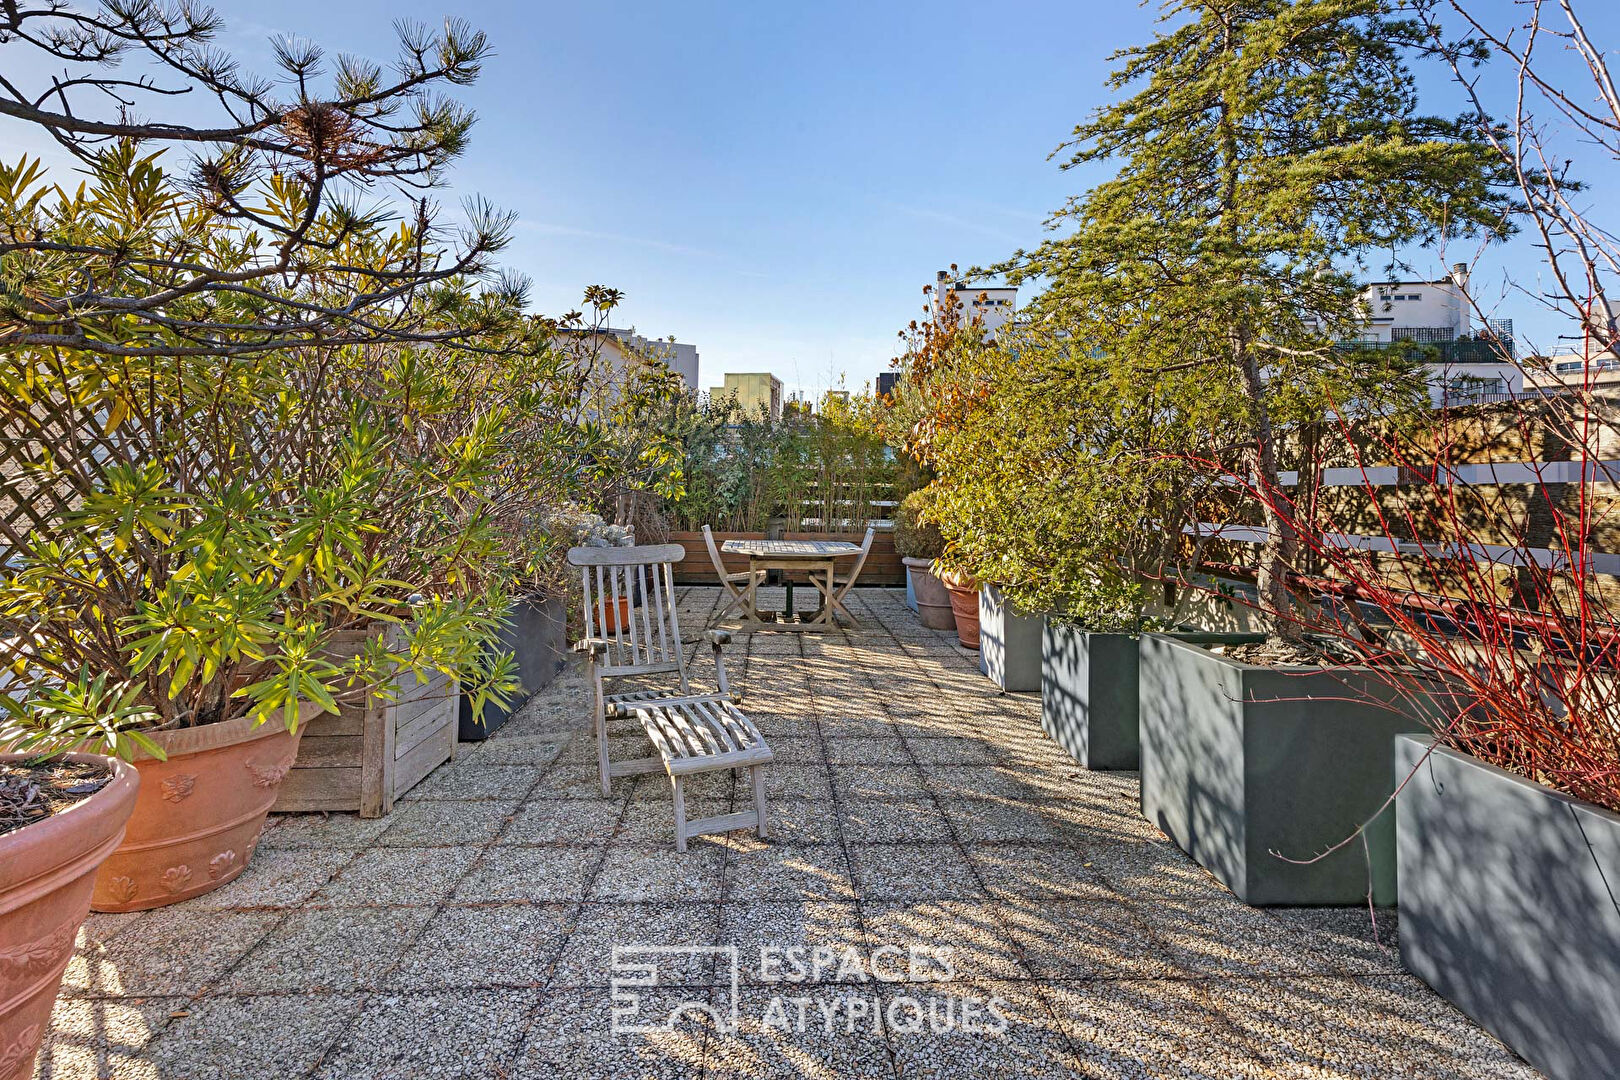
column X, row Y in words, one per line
column 933, row 600
column 47, row 870
column 1239, row 761
column 1509, row 910
column 1090, row 690
column 1009, row 643
column 199, row 814
column 537, row 636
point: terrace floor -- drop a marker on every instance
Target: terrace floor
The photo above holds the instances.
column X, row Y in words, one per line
column 471, row 933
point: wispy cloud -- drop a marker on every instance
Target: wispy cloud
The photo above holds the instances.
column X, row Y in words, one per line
column 547, row 228
column 961, row 222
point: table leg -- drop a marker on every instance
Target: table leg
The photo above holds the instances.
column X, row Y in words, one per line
column 787, row 610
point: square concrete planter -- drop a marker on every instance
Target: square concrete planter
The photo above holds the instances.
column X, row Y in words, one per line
column 537, row 635
column 1009, row 643
column 1240, row 761
column 1510, row 907
column 1089, row 695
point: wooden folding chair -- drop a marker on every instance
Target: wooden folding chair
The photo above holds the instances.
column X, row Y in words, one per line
column 841, row 586
column 737, row 584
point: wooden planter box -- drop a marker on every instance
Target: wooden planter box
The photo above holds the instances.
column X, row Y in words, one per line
column 882, row 567
column 366, row 757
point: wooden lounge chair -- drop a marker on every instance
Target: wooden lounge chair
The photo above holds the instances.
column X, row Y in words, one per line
column 736, row 584
column 692, row 732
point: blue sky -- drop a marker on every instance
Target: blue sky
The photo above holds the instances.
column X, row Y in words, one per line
column 771, row 182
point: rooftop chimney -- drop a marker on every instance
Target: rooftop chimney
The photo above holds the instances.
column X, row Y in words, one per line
column 1459, row 275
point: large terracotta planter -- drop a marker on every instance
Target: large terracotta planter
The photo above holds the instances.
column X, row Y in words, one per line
column 965, row 607
column 933, row 601
column 199, row 814
column 46, row 873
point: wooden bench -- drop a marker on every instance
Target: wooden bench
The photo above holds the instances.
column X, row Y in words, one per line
column 691, row 732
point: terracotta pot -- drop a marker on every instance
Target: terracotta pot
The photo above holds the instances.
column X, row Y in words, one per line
column 965, row 606
column 199, row 814
column 933, row 601
column 47, row 870
column 610, row 617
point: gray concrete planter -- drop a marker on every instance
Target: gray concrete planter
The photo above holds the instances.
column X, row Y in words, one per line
column 1240, row 761
column 1009, row 643
column 1089, row 695
column 538, row 637
column 1509, row 907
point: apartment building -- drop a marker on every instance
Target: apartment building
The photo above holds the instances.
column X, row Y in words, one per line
column 755, row 391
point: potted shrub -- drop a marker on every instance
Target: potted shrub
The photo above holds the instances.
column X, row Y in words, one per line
column 964, row 595
column 59, row 818
column 919, row 543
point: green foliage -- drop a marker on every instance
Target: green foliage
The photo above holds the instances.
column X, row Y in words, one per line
column 183, row 536
column 831, row 470
column 914, row 537
column 1266, row 150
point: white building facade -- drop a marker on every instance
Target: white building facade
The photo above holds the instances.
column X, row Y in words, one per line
column 1472, row 362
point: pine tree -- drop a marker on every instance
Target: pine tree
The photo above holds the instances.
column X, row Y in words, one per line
column 1268, row 150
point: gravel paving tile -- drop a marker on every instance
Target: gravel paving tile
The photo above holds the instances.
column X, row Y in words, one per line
column 1002, row 820
column 1227, row 937
column 638, row 873
column 330, row 951
column 530, row 873
column 563, row 821
column 950, row 750
column 913, row 871
column 335, row 832
column 1039, row 870
column 1350, row 941
column 571, row 1036
column 867, row 751
column 175, row 950
column 1084, row 939
column 1142, row 1028
column 104, row 1037
column 532, row 750
column 772, row 870
column 941, row 940
column 802, row 821
column 466, row 1034
column 448, row 824
column 784, row 783
column 1367, row 1026
column 776, row 940
column 398, row 876
column 797, row 750
column 990, row 1029
column 498, row 945
column 276, row 879
column 262, row 1036
column 981, row 782
column 454, row 780
column 588, row 957
column 652, row 823
column 859, row 783
column 803, row 1031
column 870, row 821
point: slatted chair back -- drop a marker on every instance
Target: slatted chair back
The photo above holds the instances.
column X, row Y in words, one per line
column 714, row 557
column 639, row 642
column 860, row 561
